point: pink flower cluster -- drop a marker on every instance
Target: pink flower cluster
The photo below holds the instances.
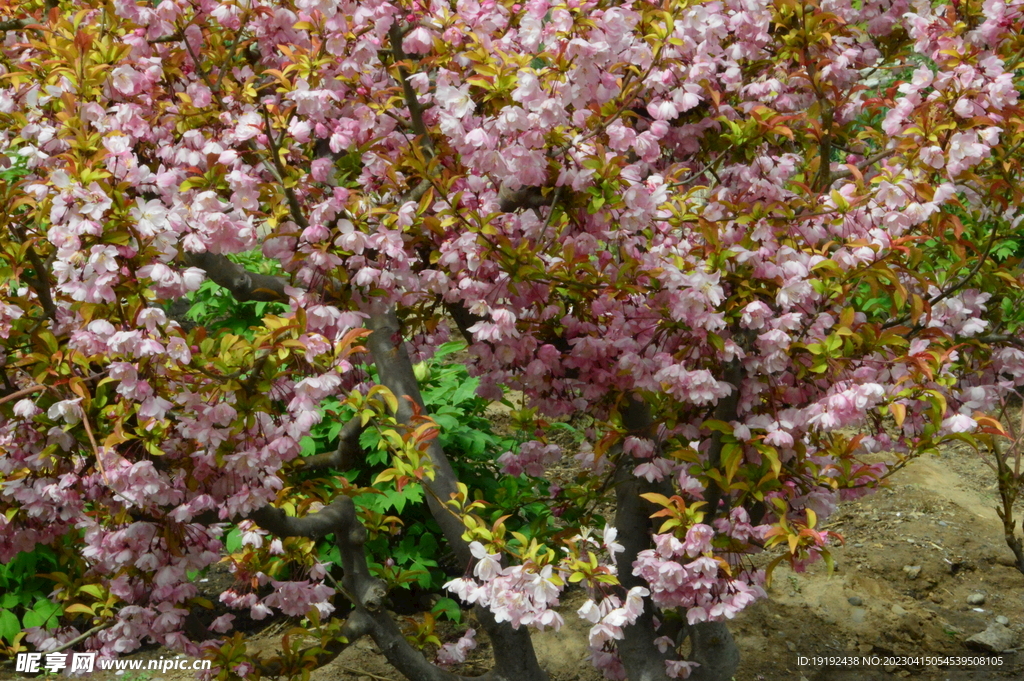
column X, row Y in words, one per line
column 514, row 594
column 684, row 575
column 533, row 458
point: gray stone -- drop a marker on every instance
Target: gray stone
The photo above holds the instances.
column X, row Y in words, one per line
column 1005, row 621
column 912, row 571
column 855, row 601
column 943, row 523
column 898, row 610
column 976, row 599
column 995, row 639
column 858, row 615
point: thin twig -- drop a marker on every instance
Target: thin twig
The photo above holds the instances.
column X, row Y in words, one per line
column 78, row 639
column 957, row 286
column 173, row 38
column 195, row 59
column 21, row 393
column 293, row 201
column 866, row 163
column 95, row 448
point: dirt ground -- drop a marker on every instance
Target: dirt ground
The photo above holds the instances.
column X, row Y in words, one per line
column 914, row 553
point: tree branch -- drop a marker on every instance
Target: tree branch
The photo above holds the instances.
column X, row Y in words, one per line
column 725, row 410
column 394, row 367
column 513, row 649
column 411, row 100
column 81, row 637
column 16, row 24
column 1001, row 338
column 21, row 393
column 40, row 283
column 640, row 656
column 366, row 591
column 243, row 284
column 347, row 454
column 524, row 197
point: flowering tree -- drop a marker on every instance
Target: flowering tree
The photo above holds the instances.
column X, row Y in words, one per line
column 753, row 241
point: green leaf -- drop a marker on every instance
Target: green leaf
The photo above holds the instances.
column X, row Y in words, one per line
column 33, row 619
column 9, row 625
column 308, row 446
column 449, row 608
column 466, row 391
column 233, row 542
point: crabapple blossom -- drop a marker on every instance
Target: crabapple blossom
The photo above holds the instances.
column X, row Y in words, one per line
column 658, row 225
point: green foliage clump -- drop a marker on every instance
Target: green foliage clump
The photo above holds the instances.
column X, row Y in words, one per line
column 407, row 551
column 24, row 603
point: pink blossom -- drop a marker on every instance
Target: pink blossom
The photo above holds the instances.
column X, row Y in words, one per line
column 418, row 41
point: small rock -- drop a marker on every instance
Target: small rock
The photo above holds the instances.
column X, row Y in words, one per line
column 855, row 601
column 858, row 545
column 943, row 523
column 1005, row 621
column 858, row 615
column 912, row 571
column 976, row 599
column 790, row 646
column 898, row 610
column 995, row 639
